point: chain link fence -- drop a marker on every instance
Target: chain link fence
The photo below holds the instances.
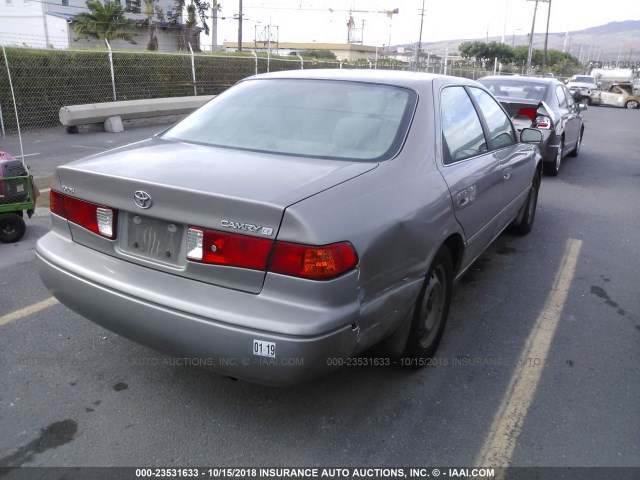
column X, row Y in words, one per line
column 46, row 80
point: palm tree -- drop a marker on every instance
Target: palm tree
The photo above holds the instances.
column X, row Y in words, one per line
column 104, row 22
column 149, row 10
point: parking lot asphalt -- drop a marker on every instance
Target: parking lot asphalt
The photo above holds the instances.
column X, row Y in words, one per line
column 539, row 361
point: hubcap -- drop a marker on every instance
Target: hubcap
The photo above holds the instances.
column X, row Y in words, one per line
column 432, row 306
column 8, row 229
column 632, row 104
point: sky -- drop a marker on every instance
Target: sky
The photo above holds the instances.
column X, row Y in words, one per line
column 313, row 21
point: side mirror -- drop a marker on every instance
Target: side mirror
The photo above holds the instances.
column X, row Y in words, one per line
column 582, row 107
column 530, row 135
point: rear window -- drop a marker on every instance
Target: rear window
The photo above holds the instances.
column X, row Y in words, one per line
column 315, row 118
column 583, row 79
column 519, row 89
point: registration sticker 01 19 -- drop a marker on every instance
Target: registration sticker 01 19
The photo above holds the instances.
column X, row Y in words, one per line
column 264, row 349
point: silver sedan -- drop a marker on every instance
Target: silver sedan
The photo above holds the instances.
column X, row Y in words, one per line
column 293, row 222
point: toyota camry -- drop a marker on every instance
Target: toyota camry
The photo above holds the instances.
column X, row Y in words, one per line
column 294, row 221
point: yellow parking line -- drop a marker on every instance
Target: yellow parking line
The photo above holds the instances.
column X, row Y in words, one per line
column 31, row 309
column 507, row 424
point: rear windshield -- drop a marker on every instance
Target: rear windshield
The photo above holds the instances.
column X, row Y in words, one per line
column 315, row 118
column 583, row 79
column 519, row 89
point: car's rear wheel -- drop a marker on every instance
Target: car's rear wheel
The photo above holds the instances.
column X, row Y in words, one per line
column 631, row 104
column 553, row 168
column 528, row 214
column 12, row 227
column 431, row 311
column 576, row 150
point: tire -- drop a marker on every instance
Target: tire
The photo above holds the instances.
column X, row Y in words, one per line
column 632, row 104
column 431, row 311
column 553, row 168
column 72, row 129
column 524, row 226
column 586, row 100
column 576, row 150
column 12, row 228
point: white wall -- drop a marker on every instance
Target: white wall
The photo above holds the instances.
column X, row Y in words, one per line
column 22, row 23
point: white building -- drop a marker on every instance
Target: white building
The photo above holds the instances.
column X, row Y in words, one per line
column 47, row 24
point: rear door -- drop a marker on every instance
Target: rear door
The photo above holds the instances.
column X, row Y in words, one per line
column 472, row 173
column 568, row 117
column 516, row 163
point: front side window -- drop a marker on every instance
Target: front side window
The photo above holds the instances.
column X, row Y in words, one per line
column 313, row 118
column 500, row 128
column 462, row 132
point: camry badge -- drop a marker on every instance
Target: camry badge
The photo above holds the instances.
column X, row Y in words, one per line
column 142, row 199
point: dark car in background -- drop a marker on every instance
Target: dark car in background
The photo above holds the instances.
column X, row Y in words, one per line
column 545, row 104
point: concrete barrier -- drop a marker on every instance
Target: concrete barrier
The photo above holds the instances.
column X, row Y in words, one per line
column 73, row 115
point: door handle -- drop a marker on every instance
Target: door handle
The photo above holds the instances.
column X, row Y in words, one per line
column 463, row 198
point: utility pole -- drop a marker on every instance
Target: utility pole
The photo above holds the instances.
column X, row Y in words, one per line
column 214, row 25
column 546, row 38
column 506, row 15
column 419, row 46
column 533, row 26
column 240, row 26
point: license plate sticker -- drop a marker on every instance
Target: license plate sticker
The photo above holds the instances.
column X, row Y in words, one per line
column 20, row 188
column 264, row 349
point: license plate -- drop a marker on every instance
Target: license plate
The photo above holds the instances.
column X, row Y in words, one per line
column 154, row 239
column 264, row 349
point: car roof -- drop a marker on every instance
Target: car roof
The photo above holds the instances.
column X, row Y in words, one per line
column 520, row 78
column 386, row 77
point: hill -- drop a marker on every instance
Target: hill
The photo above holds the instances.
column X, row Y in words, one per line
column 615, row 41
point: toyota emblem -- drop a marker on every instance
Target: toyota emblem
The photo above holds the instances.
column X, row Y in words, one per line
column 142, row 199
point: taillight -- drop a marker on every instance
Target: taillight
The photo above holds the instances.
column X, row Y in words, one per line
column 530, row 112
column 242, row 251
column 56, row 203
column 543, row 122
column 221, row 248
column 95, row 218
column 319, row 263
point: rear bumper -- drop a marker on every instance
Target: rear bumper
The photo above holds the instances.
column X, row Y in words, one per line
column 199, row 323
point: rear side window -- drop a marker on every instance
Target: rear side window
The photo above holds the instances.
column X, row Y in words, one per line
column 562, row 99
column 500, row 127
column 461, row 128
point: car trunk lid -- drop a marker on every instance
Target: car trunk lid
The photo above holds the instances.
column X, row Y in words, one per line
column 523, row 111
column 233, row 191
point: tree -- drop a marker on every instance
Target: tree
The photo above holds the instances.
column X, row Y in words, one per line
column 104, row 22
column 486, row 52
column 320, row 54
column 149, row 9
column 199, row 7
